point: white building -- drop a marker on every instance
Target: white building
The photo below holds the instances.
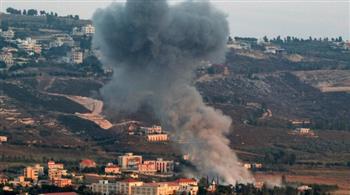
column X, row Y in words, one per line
column 9, row 34
column 152, row 130
column 33, row 172
column 104, row 187
column 120, row 187
column 76, row 56
column 166, row 188
column 129, row 161
column 3, row 138
column 239, row 45
column 77, row 32
column 7, row 58
column 88, row 30
column 29, row 45
column 61, row 39
column 164, row 166
column 134, row 187
column 303, row 130
column 273, row 49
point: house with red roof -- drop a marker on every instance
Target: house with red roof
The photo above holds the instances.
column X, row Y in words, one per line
column 87, row 163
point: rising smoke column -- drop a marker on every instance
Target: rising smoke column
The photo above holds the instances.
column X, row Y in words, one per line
column 154, row 49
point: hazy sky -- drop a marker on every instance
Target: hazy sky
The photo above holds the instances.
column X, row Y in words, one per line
column 302, row 18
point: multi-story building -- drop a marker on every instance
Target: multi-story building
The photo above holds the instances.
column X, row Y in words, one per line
column 29, row 45
column 187, row 181
column 124, row 187
column 56, row 170
column 129, row 161
column 33, row 172
column 134, row 187
column 76, row 31
column 120, row 187
column 164, row 166
column 9, row 34
column 58, row 40
column 112, row 169
column 88, row 30
column 155, row 129
column 188, row 189
column 7, row 58
column 103, row 187
column 157, row 137
column 3, row 138
column 54, row 165
column 62, row 182
column 166, row 188
column 76, row 56
column 148, row 167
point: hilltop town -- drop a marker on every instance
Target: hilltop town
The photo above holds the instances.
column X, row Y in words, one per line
column 287, row 97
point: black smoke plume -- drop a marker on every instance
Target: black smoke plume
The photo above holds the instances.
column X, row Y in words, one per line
column 154, row 49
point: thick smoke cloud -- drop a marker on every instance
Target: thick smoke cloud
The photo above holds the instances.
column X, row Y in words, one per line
column 154, row 49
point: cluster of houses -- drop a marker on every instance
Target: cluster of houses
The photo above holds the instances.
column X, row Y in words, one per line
column 134, row 163
column 151, row 134
column 56, row 175
column 303, row 131
column 254, row 166
column 128, row 165
column 12, row 53
column 136, row 187
column 247, row 43
column 301, row 128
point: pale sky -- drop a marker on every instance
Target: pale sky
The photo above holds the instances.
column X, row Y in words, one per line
column 301, row 18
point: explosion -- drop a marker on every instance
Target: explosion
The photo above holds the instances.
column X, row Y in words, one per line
column 154, row 49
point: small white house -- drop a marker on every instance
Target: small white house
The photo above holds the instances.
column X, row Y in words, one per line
column 3, row 139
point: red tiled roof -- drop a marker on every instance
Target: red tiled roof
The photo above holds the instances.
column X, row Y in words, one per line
column 88, row 162
column 171, row 183
column 129, row 180
column 185, row 180
column 112, row 166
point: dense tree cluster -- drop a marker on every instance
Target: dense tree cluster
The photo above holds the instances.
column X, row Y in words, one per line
column 279, row 156
column 250, row 189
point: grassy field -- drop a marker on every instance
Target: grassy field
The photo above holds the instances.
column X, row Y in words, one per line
column 322, row 176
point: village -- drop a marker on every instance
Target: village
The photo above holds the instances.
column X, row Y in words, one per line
column 121, row 178
column 128, row 174
column 61, row 49
column 21, row 49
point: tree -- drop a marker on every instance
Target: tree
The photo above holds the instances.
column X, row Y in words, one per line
column 32, row 12
column 42, row 12
column 265, row 39
column 92, row 64
column 289, row 39
column 76, row 17
column 4, row 25
column 2, row 64
column 11, row 10
column 2, row 42
column 278, row 38
column 340, row 39
column 85, row 43
column 50, row 19
column 24, row 12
